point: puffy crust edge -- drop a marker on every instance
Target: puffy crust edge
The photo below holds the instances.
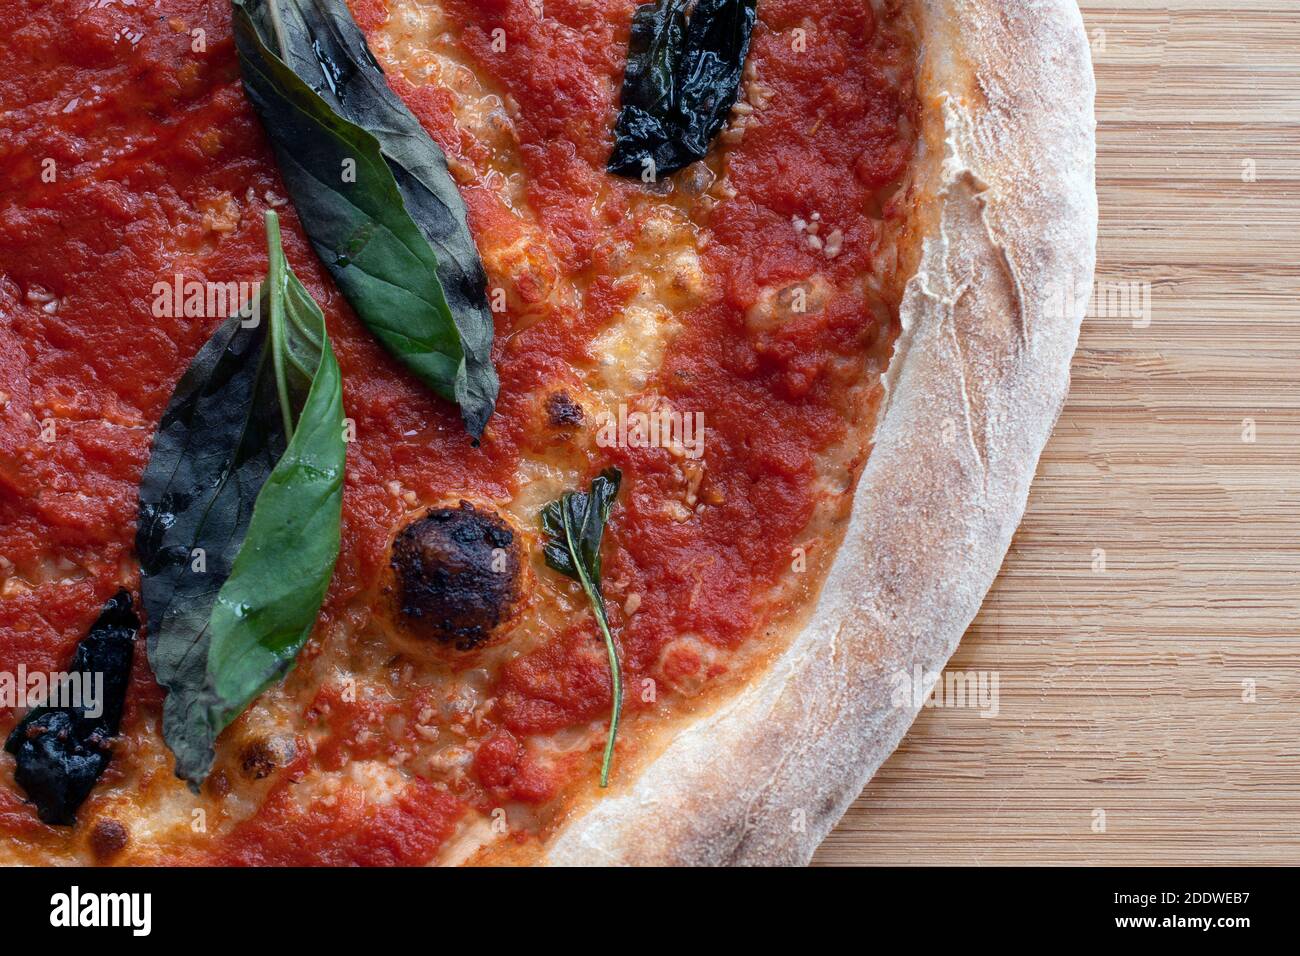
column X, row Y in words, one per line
column 990, row 319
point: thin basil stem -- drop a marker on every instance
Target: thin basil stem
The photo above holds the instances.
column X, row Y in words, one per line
column 616, row 677
column 275, row 306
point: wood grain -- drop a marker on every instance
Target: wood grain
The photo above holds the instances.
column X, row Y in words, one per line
column 1128, row 690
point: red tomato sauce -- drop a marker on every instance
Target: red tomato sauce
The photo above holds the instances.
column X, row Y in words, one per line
column 127, row 158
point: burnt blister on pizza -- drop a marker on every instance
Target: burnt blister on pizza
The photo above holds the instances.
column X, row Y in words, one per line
column 456, row 576
column 263, row 755
column 562, row 412
column 62, row 749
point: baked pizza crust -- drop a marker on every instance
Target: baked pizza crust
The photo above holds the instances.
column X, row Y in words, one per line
column 1006, row 233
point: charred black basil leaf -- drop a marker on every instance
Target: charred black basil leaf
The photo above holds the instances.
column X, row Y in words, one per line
column 648, row 130
column 681, row 81
column 61, row 750
column 717, row 42
column 240, row 507
column 574, row 526
column 373, row 192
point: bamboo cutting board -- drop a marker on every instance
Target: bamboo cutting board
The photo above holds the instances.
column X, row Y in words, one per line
column 1145, row 628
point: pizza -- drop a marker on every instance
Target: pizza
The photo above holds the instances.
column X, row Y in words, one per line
column 510, row 431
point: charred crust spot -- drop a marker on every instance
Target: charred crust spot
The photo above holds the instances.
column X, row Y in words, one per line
column 108, row 838
column 256, row 761
column 457, row 575
column 264, row 756
column 562, row 411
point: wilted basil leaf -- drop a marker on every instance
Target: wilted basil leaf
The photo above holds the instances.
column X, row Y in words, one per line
column 240, row 507
column 373, row 193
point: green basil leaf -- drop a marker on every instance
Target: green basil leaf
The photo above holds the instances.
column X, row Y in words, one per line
column 240, row 507
column 373, row 193
column 574, row 526
column 61, row 751
column 587, row 514
column 681, row 81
